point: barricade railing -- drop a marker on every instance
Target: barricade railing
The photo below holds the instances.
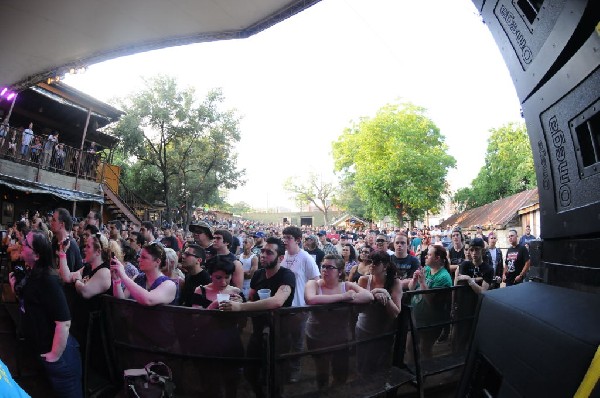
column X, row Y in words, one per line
column 441, row 323
column 55, row 157
column 334, row 350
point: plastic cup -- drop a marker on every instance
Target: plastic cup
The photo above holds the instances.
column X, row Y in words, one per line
column 264, row 293
column 221, row 297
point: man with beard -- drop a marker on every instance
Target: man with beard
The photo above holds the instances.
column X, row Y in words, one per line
column 192, row 259
column 310, row 245
column 114, row 230
column 282, row 284
column 259, row 243
column 405, row 264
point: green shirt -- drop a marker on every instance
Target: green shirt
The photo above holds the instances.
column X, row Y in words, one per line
column 438, row 309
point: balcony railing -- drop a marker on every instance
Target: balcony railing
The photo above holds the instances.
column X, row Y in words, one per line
column 49, row 155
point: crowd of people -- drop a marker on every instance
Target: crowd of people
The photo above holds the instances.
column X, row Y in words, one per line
column 245, row 266
column 46, row 151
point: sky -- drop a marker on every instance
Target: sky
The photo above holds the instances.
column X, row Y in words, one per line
column 300, row 83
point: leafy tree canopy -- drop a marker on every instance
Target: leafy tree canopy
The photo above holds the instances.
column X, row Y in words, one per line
column 183, row 149
column 399, row 160
column 312, row 190
column 508, row 168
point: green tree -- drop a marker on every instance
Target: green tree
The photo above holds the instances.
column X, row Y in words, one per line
column 312, row 190
column 349, row 200
column 183, row 148
column 508, row 168
column 399, row 160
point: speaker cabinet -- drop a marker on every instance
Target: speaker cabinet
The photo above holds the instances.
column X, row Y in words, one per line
column 532, row 340
column 563, row 123
column 536, row 37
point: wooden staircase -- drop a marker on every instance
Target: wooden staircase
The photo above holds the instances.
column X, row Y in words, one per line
column 116, row 206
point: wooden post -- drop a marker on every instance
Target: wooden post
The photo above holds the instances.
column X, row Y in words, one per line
column 87, row 123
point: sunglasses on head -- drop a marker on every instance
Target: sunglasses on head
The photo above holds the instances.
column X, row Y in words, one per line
column 380, row 240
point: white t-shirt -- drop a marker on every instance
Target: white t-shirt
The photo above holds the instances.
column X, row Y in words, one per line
column 305, row 268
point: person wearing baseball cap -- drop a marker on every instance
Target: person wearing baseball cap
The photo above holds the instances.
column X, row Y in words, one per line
column 202, row 232
column 259, row 242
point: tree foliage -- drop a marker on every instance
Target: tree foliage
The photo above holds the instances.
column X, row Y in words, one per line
column 349, row 200
column 183, row 149
column 399, row 160
column 508, row 168
column 312, row 190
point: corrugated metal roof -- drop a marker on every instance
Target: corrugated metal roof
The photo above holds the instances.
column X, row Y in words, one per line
column 496, row 214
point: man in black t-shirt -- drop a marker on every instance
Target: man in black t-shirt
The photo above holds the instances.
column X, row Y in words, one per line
column 61, row 225
column 517, row 261
column 282, row 283
column 310, row 246
column 478, row 269
column 456, row 252
column 192, row 259
column 405, row 264
column 169, row 240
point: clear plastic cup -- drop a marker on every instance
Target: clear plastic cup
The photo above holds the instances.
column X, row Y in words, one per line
column 264, row 293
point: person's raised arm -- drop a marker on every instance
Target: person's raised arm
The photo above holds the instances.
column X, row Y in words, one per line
column 63, row 268
column 162, row 294
column 98, row 284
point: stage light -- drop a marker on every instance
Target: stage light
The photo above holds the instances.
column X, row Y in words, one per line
column 3, row 91
column 11, row 96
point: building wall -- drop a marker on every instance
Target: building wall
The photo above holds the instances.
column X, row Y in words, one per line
column 293, row 217
column 30, row 173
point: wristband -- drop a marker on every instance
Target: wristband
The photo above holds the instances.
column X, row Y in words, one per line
column 116, row 281
column 62, row 254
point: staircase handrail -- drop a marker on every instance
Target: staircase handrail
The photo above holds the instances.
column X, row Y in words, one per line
column 130, row 198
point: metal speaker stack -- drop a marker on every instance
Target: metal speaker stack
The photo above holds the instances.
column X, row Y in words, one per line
column 536, row 339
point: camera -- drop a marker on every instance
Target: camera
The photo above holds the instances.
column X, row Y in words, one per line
column 20, row 274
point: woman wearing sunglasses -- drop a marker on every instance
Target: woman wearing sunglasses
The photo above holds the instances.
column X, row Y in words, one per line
column 364, row 265
column 331, row 327
column 379, row 317
column 150, row 287
column 46, row 319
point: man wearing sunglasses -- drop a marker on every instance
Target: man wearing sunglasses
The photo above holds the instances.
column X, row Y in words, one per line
column 192, row 259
